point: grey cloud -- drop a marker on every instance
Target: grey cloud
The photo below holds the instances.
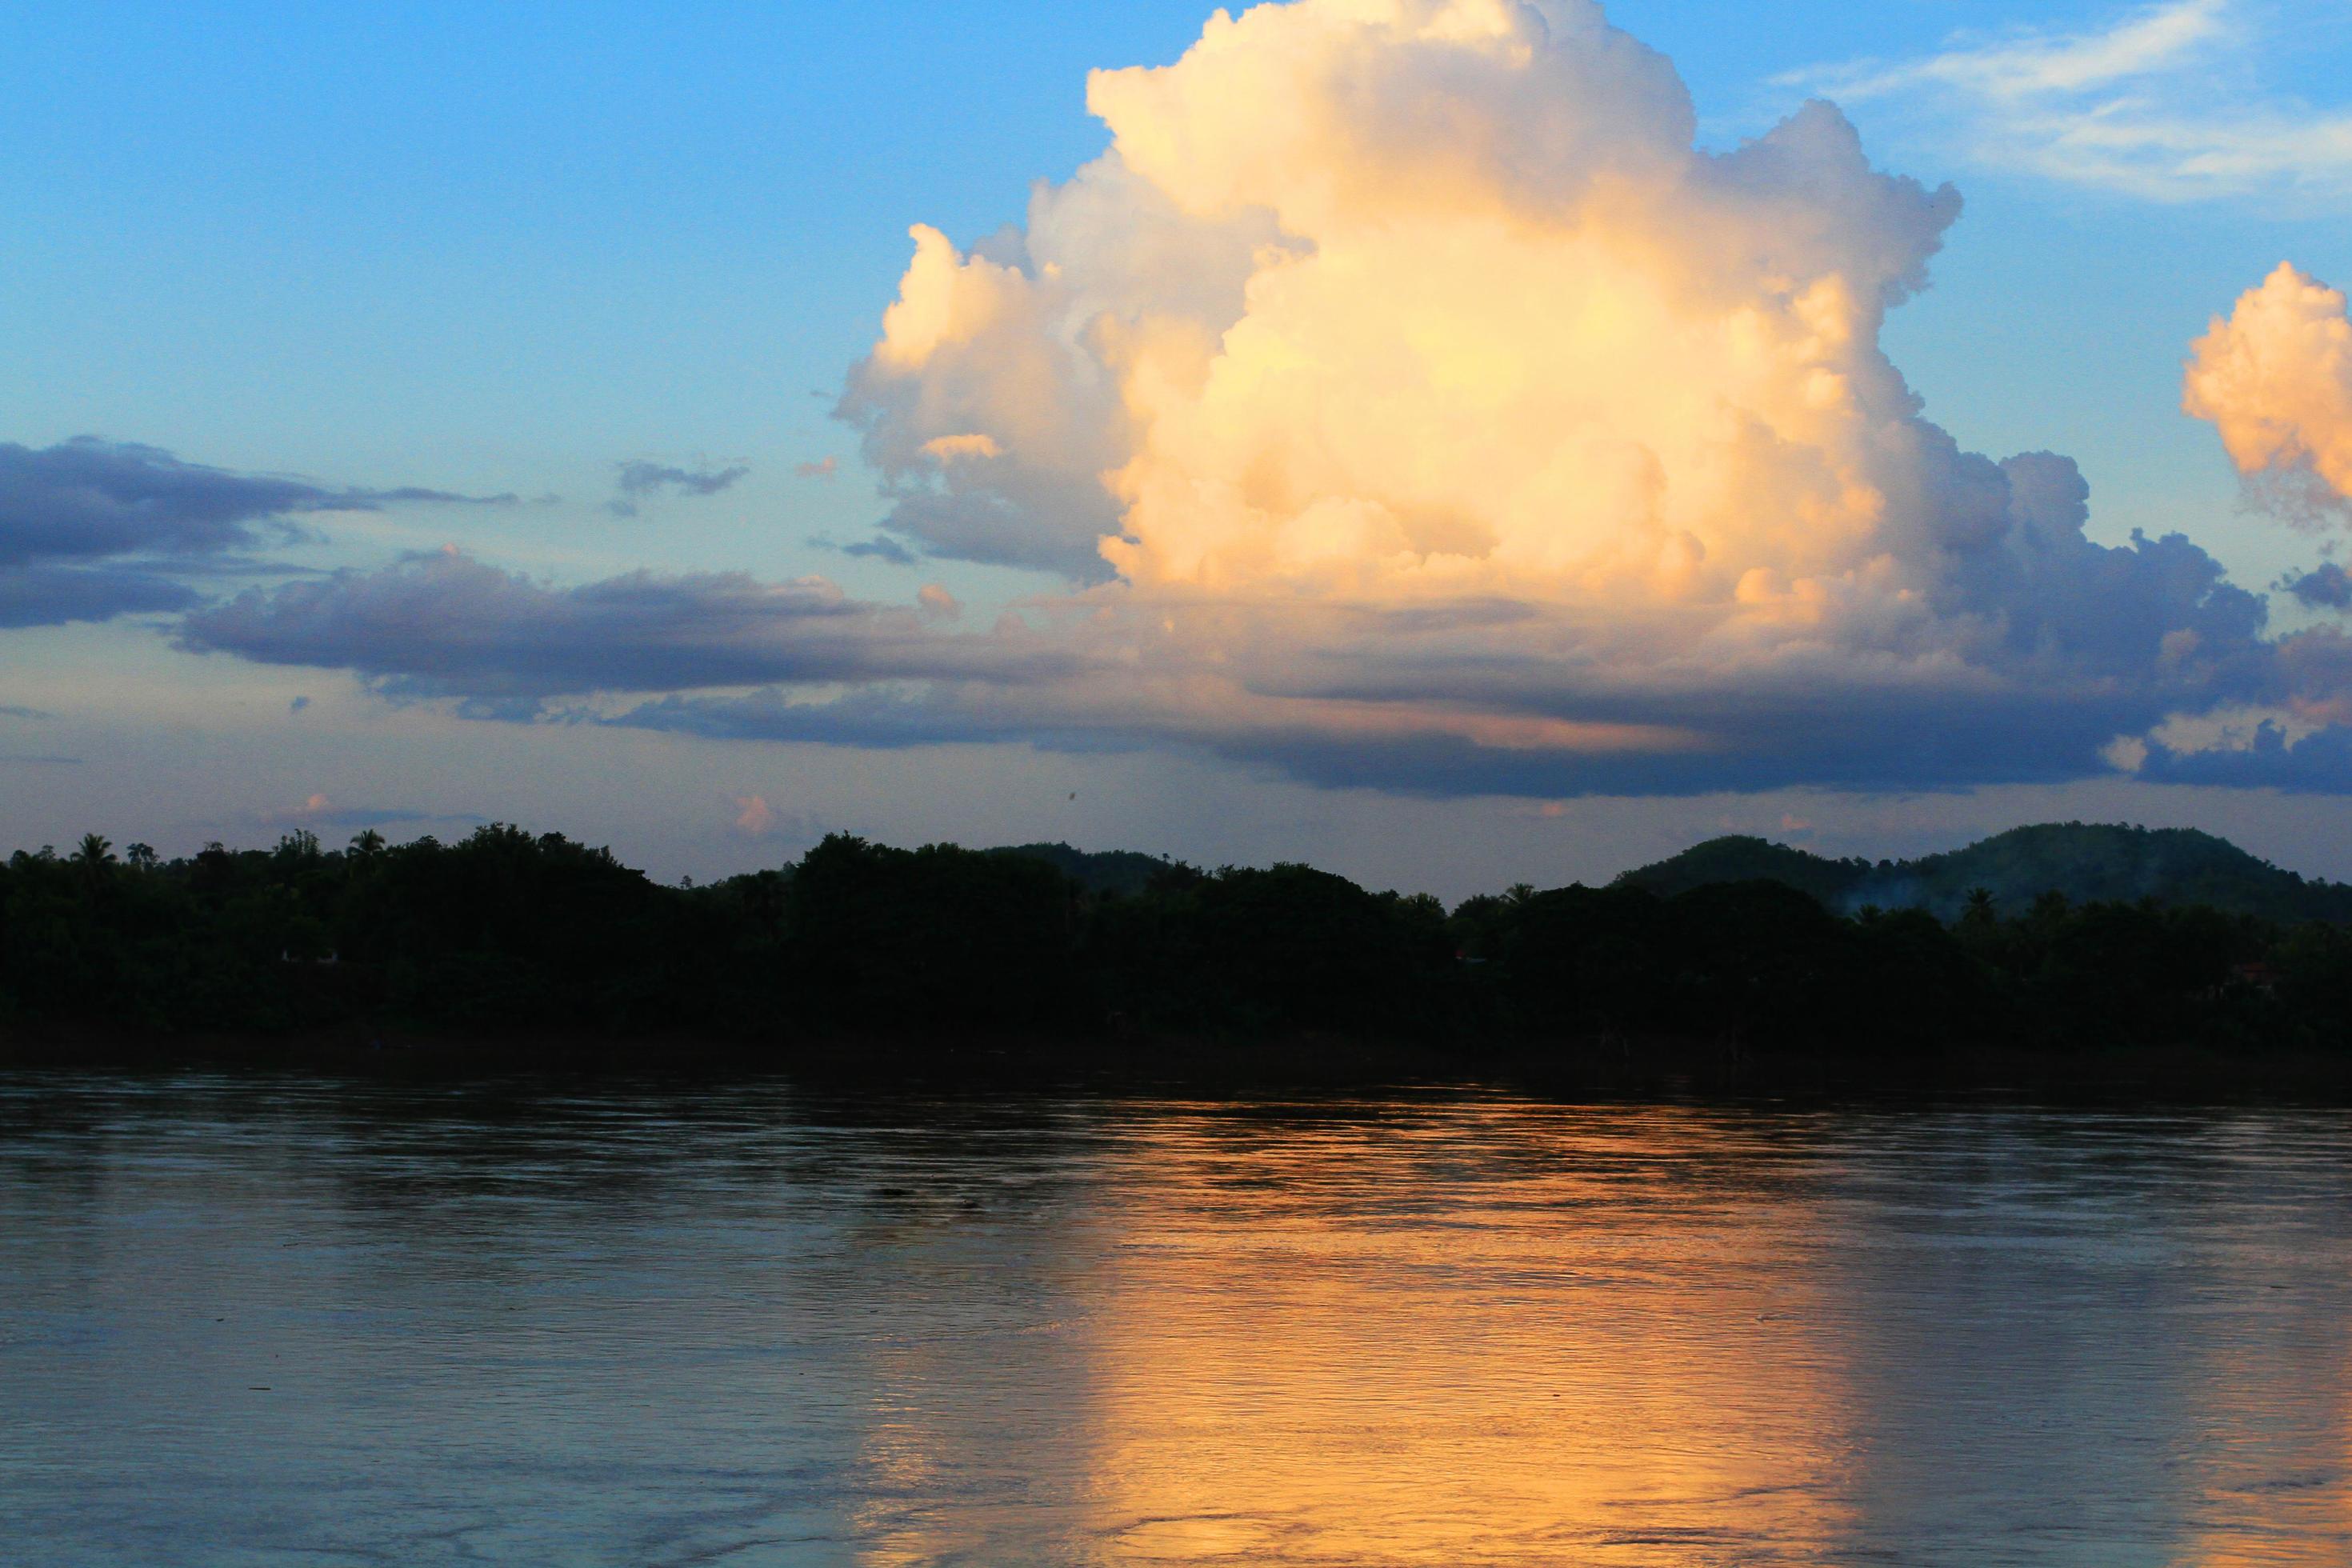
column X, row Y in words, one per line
column 2319, row 763
column 91, row 528
column 446, row 625
column 864, row 718
column 882, row 548
column 89, row 497
column 2326, row 586
column 1003, row 522
column 1897, row 739
column 58, row 596
column 13, row 710
column 640, row 479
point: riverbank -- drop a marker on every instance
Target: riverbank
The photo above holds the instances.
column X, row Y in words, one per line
column 979, row 1065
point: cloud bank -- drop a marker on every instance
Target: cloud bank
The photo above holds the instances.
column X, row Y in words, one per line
column 443, row 623
column 1406, row 402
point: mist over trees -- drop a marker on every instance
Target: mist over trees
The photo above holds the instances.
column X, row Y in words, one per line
column 509, row 933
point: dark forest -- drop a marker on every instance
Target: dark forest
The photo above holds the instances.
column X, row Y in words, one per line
column 508, row 933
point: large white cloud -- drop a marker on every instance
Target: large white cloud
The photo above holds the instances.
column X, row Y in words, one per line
column 1379, row 306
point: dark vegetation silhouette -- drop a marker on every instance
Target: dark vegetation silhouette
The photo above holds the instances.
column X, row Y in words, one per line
column 1737, row 945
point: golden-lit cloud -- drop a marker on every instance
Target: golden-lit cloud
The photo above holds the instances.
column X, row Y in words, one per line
column 1406, row 366
column 1487, row 324
column 2275, row 378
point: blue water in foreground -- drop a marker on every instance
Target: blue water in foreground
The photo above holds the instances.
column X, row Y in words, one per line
column 278, row 1321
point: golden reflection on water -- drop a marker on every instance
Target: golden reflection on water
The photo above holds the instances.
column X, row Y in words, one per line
column 1499, row 1334
column 1309, row 1348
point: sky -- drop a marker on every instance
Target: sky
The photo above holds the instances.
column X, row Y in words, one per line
column 1528, row 437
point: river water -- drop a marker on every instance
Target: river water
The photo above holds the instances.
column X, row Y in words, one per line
column 272, row 1320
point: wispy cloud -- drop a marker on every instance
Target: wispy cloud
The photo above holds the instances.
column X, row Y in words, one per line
column 2164, row 103
column 639, row 479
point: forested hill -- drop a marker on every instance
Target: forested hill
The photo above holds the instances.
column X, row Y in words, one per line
column 1122, row 871
column 2087, row 862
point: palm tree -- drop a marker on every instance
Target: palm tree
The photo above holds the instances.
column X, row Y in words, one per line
column 142, row 857
column 367, row 841
column 95, row 857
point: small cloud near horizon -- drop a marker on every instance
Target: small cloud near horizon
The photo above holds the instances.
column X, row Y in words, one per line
column 753, row 817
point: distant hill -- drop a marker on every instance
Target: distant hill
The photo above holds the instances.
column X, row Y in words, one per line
column 1103, row 871
column 2085, row 861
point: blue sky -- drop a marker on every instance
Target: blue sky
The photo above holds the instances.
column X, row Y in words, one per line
column 491, row 249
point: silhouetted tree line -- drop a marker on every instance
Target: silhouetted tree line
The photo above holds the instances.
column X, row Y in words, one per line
column 505, row 931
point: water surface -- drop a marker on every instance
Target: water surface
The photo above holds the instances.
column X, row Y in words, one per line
column 275, row 1321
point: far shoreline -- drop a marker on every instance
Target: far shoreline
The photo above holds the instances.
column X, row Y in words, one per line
column 980, row 1066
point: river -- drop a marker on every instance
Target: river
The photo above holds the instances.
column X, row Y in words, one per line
column 273, row 1320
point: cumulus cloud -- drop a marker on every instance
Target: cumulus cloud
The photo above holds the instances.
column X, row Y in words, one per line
column 91, row 528
column 2275, row 379
column 2157, row 105
column 1407, row 402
